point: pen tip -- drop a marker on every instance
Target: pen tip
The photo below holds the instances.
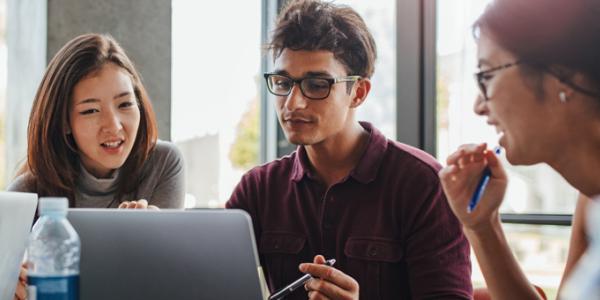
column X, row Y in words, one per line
column 497, row 149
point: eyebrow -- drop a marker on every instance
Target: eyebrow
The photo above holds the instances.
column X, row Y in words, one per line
column 307, row 74
column 94, row 100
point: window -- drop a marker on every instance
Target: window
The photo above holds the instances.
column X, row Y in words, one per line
column 380, row 106
column 215, row 94
column 3, row 79
column 541, row 250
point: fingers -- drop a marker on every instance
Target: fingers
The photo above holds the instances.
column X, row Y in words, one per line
column 153, row 207
column 315, row 295
column 319, row 259
column 323, row 289
column 467, row 153
column 448, row 173
column 495, row 165
column 139, row 204
column 142, row 204
column 330, row 274
column 23, row 274
column 21, row 291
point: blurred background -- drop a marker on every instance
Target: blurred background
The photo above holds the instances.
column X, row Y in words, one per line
column 203, row 63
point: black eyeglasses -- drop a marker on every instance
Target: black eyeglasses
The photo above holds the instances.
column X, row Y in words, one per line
column 315, row 88
column 483, row 76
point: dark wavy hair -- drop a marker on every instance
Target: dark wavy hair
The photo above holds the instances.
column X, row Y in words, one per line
column 52, row 155
column 317, row 25
column 561, row 37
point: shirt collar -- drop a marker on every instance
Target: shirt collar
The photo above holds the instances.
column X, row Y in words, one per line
column 91, row 185
column 370, row 161
column 368, row 164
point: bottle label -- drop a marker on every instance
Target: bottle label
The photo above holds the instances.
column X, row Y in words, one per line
column 53, row 287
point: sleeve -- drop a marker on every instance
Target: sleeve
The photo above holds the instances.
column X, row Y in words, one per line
column 437, row 251
column 170, row 190
column 21, row 184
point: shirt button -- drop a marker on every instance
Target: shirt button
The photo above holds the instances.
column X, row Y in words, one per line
column 276, row 246
column 373, row 252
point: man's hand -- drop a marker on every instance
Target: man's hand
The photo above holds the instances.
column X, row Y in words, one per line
column 328, row 282
column 139, row 204
column 21, row 291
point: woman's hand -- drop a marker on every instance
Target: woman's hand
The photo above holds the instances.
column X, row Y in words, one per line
column 460, row 178
column 21, row 291
column 139, row 204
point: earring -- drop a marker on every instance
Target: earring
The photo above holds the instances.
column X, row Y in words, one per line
column 563, row 97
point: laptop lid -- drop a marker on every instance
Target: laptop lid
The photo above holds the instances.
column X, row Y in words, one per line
column 169, row 254
column 16, row 216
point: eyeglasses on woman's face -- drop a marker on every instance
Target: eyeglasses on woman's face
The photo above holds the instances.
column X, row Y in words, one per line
column 482, row 77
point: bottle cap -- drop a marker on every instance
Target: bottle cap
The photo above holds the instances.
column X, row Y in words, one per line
column 53, row 205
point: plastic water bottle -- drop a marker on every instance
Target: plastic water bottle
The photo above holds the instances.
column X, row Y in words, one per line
column 53, row 254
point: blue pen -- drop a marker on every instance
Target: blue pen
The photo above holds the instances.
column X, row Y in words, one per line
column 481, row 185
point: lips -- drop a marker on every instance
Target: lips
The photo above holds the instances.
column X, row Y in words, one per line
column 496, row 126
column 297, row 121
column 112, row 144
column 296, row 118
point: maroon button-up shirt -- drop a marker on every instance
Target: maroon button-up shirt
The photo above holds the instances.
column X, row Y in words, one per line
column 387, row 224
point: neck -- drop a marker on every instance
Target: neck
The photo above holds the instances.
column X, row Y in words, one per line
column 579, row 164
column 99, row 173
column 334, row 158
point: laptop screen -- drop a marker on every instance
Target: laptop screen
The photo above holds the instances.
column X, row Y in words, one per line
column 169, row 254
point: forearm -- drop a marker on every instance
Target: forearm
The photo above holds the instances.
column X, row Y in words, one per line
column 503, row 276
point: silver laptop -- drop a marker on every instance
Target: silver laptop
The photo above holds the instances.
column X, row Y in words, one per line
column 200, row 254
column 16, row 217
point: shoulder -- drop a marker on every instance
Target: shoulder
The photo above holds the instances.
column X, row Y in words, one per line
column 22, row 183
column 279, row 169
column 412, row 158
column 164, row 150
column 269, row 176
column 164, row 156
column 267, row 179
column 164, row 159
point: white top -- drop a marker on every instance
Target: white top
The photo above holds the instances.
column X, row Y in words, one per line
column 584, row 282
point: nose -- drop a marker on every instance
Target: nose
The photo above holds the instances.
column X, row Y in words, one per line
column 480, row 106
column 111, row 122
column 295, row 100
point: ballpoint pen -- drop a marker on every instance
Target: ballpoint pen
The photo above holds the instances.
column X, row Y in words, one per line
column 296, row 284
column 485, row 177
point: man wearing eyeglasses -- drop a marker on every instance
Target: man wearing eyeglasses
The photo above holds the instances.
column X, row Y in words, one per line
column 347, row 192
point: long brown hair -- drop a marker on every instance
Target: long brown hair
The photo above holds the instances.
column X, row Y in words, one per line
column 52, row 155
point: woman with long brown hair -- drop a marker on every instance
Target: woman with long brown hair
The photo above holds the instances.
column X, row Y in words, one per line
column 92, row 135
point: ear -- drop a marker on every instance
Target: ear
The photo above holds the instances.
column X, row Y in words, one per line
column 560, row 90
column 363, row 87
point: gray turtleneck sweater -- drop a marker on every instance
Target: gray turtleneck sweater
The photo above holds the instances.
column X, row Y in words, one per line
column 163, row 184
